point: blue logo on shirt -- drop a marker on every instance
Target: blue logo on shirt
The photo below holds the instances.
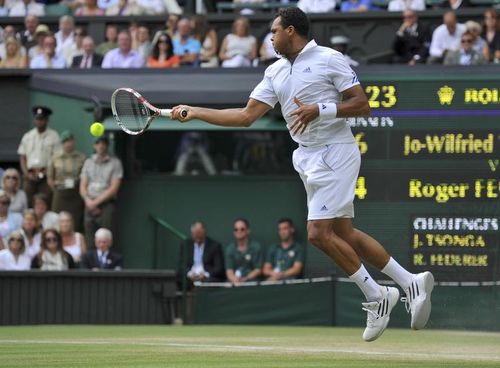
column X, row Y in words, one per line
column 323, row 106
column 307, row 70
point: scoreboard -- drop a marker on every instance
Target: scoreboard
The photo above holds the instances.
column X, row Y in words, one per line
column 431, row 163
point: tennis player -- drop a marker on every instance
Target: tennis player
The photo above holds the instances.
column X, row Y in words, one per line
column 317, row 89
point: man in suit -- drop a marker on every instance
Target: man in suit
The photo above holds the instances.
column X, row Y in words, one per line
column 204, row 258
column 412, row 42
column 102, row 258
column 89, row 59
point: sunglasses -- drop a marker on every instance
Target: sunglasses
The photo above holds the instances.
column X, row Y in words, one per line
column 239, row 229
column 6, row 203
column 51, row 239
column 7, row 177
column 162, row 41
column 468, row 40
column 16, row 239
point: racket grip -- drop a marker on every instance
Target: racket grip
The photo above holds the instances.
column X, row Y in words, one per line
column 168, row 113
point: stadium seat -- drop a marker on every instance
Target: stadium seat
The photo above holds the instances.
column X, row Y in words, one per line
column 57, row 10
column 432, row 3
column 487, row 3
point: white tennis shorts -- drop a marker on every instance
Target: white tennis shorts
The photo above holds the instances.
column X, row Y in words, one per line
column 329, row 173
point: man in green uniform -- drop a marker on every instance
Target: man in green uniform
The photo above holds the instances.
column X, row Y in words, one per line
column 286, row 259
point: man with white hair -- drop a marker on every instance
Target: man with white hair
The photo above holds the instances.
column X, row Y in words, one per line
column 102, row 258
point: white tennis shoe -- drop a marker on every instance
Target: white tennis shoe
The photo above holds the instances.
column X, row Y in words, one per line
column 418, row 299
column 378, row 313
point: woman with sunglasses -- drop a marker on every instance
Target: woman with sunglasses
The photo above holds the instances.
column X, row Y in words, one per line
column 162, row 55
column 13, row 258
column 11, row 185
column 9, row 221
column 52, row 256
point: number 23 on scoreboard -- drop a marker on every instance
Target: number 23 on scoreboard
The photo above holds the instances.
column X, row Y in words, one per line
column 381, row 96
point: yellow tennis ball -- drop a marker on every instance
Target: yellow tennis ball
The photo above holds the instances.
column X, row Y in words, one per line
column 97, row 129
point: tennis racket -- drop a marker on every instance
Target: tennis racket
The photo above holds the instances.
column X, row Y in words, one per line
column 134, row 113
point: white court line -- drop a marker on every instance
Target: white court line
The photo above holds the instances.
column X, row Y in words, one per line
column 432, row 356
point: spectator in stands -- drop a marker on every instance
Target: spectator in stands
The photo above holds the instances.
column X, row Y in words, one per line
column 47, row 219
column 111, row 40
column 247, row 11
column 123, row 56
column 445, row 37
column 36, row 148
column 162, row 54
column 239, row 48
column 286, row 259
column 13, row 57
column 243, row 257
column 125, row 8
column 27, row 7
column 65, row 36
column 141, row 42
column 28, row 35
column 152, row 7
column 41, row 32
column 479, row 43
column 11, row 185
column 73, row 241
column 341, row 44
column 102, row 258
column 402, row 5
column 171, row 25
column 208, row 40
column 89, row 58
column 63, row 176
column 185, row 45
column 49, row 59
column 9, row 221
column 105, row 4
column 412, row 42
column 99, row 184
column 13, row 258
column 317, row 6
column 52, row 256
column 89, row 8
column 8, row 32
column 267, row 53
column 76, row 48
column 490, row 33
column 204, row 257
column 4, row 9
column 194, row 145
column 356, row 6
column 455, row 4
column 466, row 54
column 31, row 233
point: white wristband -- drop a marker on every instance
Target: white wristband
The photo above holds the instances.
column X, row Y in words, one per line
column 327, row 110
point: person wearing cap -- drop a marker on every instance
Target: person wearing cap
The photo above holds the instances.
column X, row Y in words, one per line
column 99, row 184
column 63, row 177
column 341, row 44
column 36, row 148
column 42, row 31
column 49, row 59
column 27, row 7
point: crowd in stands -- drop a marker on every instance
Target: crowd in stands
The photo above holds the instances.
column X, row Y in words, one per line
column 57, row 214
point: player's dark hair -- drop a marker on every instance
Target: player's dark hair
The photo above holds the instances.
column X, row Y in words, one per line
column 287, row 220
column 244, row 220
column 296, row 18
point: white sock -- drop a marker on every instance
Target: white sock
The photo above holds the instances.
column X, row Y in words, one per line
column 367, row 284
column 396, row 272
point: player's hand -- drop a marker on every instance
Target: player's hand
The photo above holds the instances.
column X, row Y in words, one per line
column 305, row 114
column 177, row 113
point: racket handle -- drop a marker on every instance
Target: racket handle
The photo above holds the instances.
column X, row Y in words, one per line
column 168, row 113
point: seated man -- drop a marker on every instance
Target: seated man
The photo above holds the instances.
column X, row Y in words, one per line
column 102, row 258
column 244, row 256
column 286, row 259
column 205, row 261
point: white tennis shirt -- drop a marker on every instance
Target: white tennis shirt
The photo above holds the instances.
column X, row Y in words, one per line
column 318, row 74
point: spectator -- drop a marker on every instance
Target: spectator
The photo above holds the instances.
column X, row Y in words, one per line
column 185, row 45
column 466, row 55
column 171, row 25
column 402, row 5
column 479, row 44
column 31, row 233
column 76, row 48
column 52, row 256
column 9, row 221
column 13, row 58
column 65, row 36
column 490, row 33
column 248, row 11
column 267, row 52
column 240, row 47
column 208, row 40
column 47, row 219
column 455, row 4
column 4, row 9
column 205, row 260
column 111, row 40
column 445, row 37
column 152, row 7
column 27, row 7
column 162, row 55
column 141, row 42
column 49, row 59
column 123, row 56
column 13, row 258
column 355, row 6
column 63, row 177
column 102, row 258
column 317, row 6
column 412, row 42
column 194, row 144
column 11, row 185
column 89, row 9
column 27, row 36
column 36, row 148
column 8, row 32
column 89, row 59
column 243, row 257
column 286, row 259
column 73, row 242
column 41, row 32
column 125, row 8
column 105, row 4
column 341, row 44
column 99, row 184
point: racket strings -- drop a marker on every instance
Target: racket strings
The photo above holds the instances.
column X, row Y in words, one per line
column 131, row 113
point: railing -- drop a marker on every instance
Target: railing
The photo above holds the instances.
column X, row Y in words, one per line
column 254, row 6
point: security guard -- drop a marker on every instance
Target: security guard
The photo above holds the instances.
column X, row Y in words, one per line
column 36, row 148
column 63, row 176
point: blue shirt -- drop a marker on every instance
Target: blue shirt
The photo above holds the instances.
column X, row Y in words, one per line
column 348, row 6
column 191, row 46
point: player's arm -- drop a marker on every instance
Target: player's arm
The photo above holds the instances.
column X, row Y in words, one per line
column 240, row 117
